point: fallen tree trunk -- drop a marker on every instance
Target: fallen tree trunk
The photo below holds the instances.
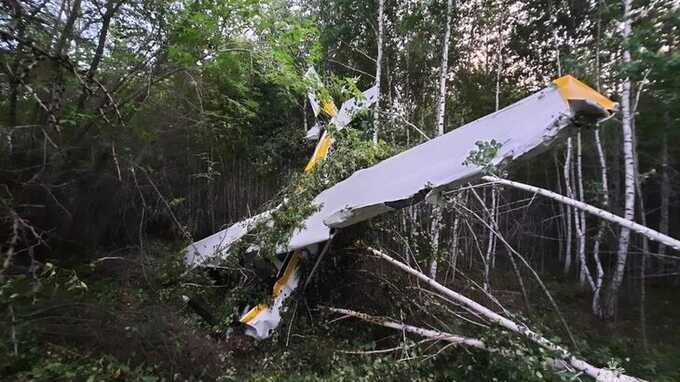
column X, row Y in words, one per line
column 427, row 333
column 633, row 226
column 561, row 354
column 604, row 376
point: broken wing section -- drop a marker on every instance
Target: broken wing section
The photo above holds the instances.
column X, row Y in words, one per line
column 261, row 321
column 217, row 245
column 340, row 120
column 524, row 128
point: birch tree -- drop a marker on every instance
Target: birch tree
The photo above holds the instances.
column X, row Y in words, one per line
column 629, row 173
column 560, row 353
column 378, row 63
column 441, row 110
column 443, row 70
column 568, row 188
column 596, row 305
column 584, row 273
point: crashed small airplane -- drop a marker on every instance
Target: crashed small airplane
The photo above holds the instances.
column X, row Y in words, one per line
column 524, row 128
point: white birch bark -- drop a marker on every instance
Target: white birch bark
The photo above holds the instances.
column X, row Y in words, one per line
column 645, row 245
column 376, row 115
column 443, row 70
column 304, row 114
column 491, row 249
column 559, row 352
column 428, row 333
column 602, row 375
column 454, row 246
column 629, row 173
column 568, row 189
column 441, row 110
column 600, row 213
column 643, row 269
column 596, row 305
column 491, row 244
column 435, row 229
column 584, row 274
column 499, row 59
column 562, row 228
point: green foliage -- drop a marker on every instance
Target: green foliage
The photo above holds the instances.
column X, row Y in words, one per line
column 484, row 156
column 351, row 152
column 58, row 364
column 319, row 357
column 522, row 360
column 46, row 283
column 343, row 88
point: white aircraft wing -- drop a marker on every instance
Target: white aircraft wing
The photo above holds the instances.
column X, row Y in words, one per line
column 526, row 127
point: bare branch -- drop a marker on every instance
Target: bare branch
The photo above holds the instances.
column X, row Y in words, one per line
column 633, row 226
column 562, row 354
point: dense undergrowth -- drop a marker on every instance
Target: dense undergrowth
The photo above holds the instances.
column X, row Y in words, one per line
column 126, row 321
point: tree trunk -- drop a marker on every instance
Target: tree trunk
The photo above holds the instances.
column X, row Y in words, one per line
column 503, row 322
column 443, row 71
column 435, row 229
column 584, row 273
column 56, row 100
column 562, row 210
column 602, row 226
column 499, row 59
column 596, row 306
column 491, row 244
column 570, row 194
column 629, row 177
column 428, row 333
column 15, row 76
column 491, row 249
column 454, row 246
column 111, row 8
column 441, row 111
column 376, row 115
column 600, row 213
column 67, row 32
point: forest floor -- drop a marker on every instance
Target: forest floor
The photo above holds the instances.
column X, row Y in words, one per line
column 130, row 324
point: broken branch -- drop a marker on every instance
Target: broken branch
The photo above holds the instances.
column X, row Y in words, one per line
column 428, row 333
column 639, row 228
column 601, row 375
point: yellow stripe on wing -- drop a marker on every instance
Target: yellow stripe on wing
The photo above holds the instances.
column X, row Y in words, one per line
column 329, row 108
column 291, row 267
column 320, row 152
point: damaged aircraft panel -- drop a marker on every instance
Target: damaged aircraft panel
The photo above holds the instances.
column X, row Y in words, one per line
column 524, row 128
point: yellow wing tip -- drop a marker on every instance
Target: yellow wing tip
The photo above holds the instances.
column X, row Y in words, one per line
column 571, row 89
